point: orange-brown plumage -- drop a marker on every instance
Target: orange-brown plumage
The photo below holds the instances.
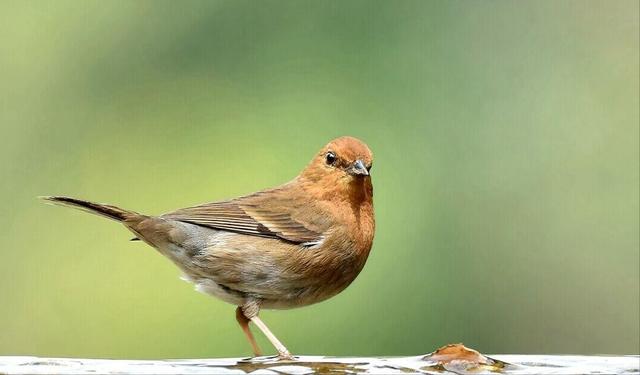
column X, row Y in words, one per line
column 293, row 245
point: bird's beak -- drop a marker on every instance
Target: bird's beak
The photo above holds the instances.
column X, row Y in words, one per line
column 358, row 168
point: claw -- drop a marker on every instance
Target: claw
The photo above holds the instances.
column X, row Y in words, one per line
column 286, row 356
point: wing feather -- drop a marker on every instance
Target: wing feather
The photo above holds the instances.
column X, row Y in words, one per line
column 265, row 214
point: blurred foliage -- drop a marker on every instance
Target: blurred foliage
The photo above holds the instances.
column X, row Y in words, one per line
column 506, row 172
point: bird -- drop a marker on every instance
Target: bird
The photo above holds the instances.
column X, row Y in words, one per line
column 285, row 247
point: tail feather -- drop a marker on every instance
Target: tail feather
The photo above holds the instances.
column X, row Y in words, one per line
column 105, row 210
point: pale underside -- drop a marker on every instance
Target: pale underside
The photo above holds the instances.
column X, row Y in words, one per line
column 237, row 268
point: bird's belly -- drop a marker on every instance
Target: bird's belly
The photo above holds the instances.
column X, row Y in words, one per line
column 279, row 294
column 235, row 267
column 320, row 280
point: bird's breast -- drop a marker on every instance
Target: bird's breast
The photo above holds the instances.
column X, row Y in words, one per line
column 314, row 274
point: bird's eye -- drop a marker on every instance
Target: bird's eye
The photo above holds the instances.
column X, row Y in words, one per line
column 369, row 167
column 330, row 158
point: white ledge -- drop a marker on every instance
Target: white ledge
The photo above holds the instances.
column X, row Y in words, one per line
column 514, row 364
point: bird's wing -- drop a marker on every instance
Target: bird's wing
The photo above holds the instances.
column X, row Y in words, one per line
column 267, row 214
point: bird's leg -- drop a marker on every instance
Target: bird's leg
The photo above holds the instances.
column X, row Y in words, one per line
column 250, row 310
column 283, row 353
column 244, row 324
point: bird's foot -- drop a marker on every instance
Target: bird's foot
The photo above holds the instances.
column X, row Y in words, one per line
column 285, row 356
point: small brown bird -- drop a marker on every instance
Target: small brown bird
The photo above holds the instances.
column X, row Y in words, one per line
column 290, row 246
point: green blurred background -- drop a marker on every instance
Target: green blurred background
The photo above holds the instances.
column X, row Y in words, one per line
column 506, row 174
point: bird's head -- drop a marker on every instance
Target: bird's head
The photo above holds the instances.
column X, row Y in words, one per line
column 344, row 162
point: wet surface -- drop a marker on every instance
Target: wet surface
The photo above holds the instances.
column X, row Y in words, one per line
column 433, row 363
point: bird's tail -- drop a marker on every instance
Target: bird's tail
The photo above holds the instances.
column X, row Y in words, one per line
column 105, row 210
